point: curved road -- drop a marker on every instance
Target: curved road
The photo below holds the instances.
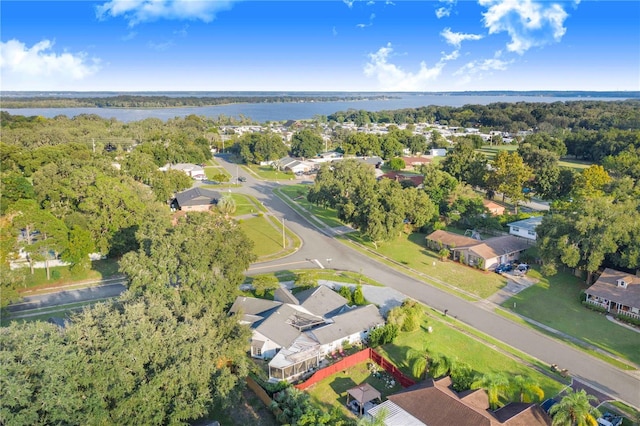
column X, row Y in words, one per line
column 604, row 377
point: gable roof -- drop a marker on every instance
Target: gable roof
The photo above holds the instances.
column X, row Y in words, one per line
column 347, row 323
column 253, row 310
column 282, row 294
column 498, row 246
column 286, row 324
column 530, row 223
column 321, row 300
column 436, row 404
column 606, row 286
column 197, row 197
column 450, row 239
column 364, row 393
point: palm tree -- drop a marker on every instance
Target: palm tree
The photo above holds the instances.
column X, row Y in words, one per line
column 527, row 389
column 420, row 360
column 574, row 409
column 377, row 420
column 441, row 365
column 227, row 205
column 496, row 385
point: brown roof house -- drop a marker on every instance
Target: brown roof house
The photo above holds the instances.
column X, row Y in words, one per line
column 195, row 200
column 483, row 254
column 294, row 332
column 617, row 292
column 494, row 208
column 435, row 403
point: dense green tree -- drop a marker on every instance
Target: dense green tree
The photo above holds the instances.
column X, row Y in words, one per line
column 14, row 187
column 306, row 143
column 257, row 147
column 465, row 164
column 591, row 182
column 546, row 171
column 420, row 360
column 358, row 296
column 396, row 164
column 574, row 409
column 80, row 245
column 227, row 205
column 437, row 184
column 264, row 283
column 509, row 174
column 203, row 255
column 537, row 141
column 590, row 231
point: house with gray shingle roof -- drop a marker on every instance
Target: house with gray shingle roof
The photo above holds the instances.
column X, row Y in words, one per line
column 525, row 228
column 296, row 331
column 195, row 199
column 616, row 291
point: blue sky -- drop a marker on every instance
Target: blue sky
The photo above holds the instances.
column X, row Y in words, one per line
column 214, row 45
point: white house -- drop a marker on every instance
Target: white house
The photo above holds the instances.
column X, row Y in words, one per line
column 192, row 170
column 525, row 228
column 437, row 152
column 295, row 332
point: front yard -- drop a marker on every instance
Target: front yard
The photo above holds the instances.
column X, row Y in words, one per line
column 555, row 302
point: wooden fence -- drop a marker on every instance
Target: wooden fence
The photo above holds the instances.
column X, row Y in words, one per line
column 355, row 359
column 259, row 391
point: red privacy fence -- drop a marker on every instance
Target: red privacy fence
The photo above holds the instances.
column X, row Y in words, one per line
column 354, row 359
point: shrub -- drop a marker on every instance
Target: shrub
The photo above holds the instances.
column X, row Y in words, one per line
column 594, row 307
column 383, row 335
column 627, row 319
column 462, row 377
column 345, row 291
column 358, row 297
column 583, row 296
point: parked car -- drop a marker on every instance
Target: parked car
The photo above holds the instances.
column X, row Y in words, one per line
column 609, row 419
column 503, row 267
column 242, row 179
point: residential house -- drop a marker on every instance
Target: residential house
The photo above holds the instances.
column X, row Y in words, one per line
column 414, row 163
column 416, row 180
column 437, row 152
column 435, row 403
column 295, row 332
column 616, row 291
column 483, row 254
column 195, row 199
column 192, row 170
column 494, row 208
column 525, row 228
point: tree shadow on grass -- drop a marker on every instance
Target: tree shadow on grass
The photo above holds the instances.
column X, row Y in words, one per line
column 340, row 386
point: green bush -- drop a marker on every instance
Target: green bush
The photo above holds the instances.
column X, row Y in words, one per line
column 358, row 296
column 383, row 335
column 583, row 296
column 345, row 291
column 624, row 318
column 55, row 274
column 594, row 307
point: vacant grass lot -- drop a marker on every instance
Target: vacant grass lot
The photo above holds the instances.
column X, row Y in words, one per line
column 268, row 172
column 554, row 301
column 62, row 275
column 298, row 193
column 453, row 343
column 410, row 250
column 444, row 339
column 245, row 204
column 267, row 240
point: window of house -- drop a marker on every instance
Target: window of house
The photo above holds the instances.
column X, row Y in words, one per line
column 515, row 229
column 258, row 351
column 531, row 232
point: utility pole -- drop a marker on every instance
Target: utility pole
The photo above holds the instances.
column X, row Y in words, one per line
column 93, row 142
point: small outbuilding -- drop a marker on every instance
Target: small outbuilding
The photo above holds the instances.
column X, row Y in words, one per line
column 195, row 199
column 363, row 393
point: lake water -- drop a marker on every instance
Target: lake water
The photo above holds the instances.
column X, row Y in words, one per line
column 262, row 112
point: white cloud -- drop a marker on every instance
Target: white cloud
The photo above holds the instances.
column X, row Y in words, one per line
column 444, row 11
column 455, row 39
column 138, row 11
column 477, row 70
column 392, row 77
column 161, row 47
column 528, row 23
column 349, row 3
column 25, row 68
column 371, row 18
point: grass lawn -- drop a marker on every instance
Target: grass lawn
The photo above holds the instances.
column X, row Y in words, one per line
column 577, row 165
column 451, row 342
column 211, row 171
column 410, row 251
column 245, row 204
column 491, row 151
column 62, row 275
column 268, row 172
column 298, row 194
column 266, row 238
column 332, row 392
column 554, row 301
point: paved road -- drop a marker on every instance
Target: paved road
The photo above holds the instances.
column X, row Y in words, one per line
column 601, row 375
column 319, row 247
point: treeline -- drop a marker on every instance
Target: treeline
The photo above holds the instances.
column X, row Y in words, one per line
column 511, row 116
column 145, row 101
